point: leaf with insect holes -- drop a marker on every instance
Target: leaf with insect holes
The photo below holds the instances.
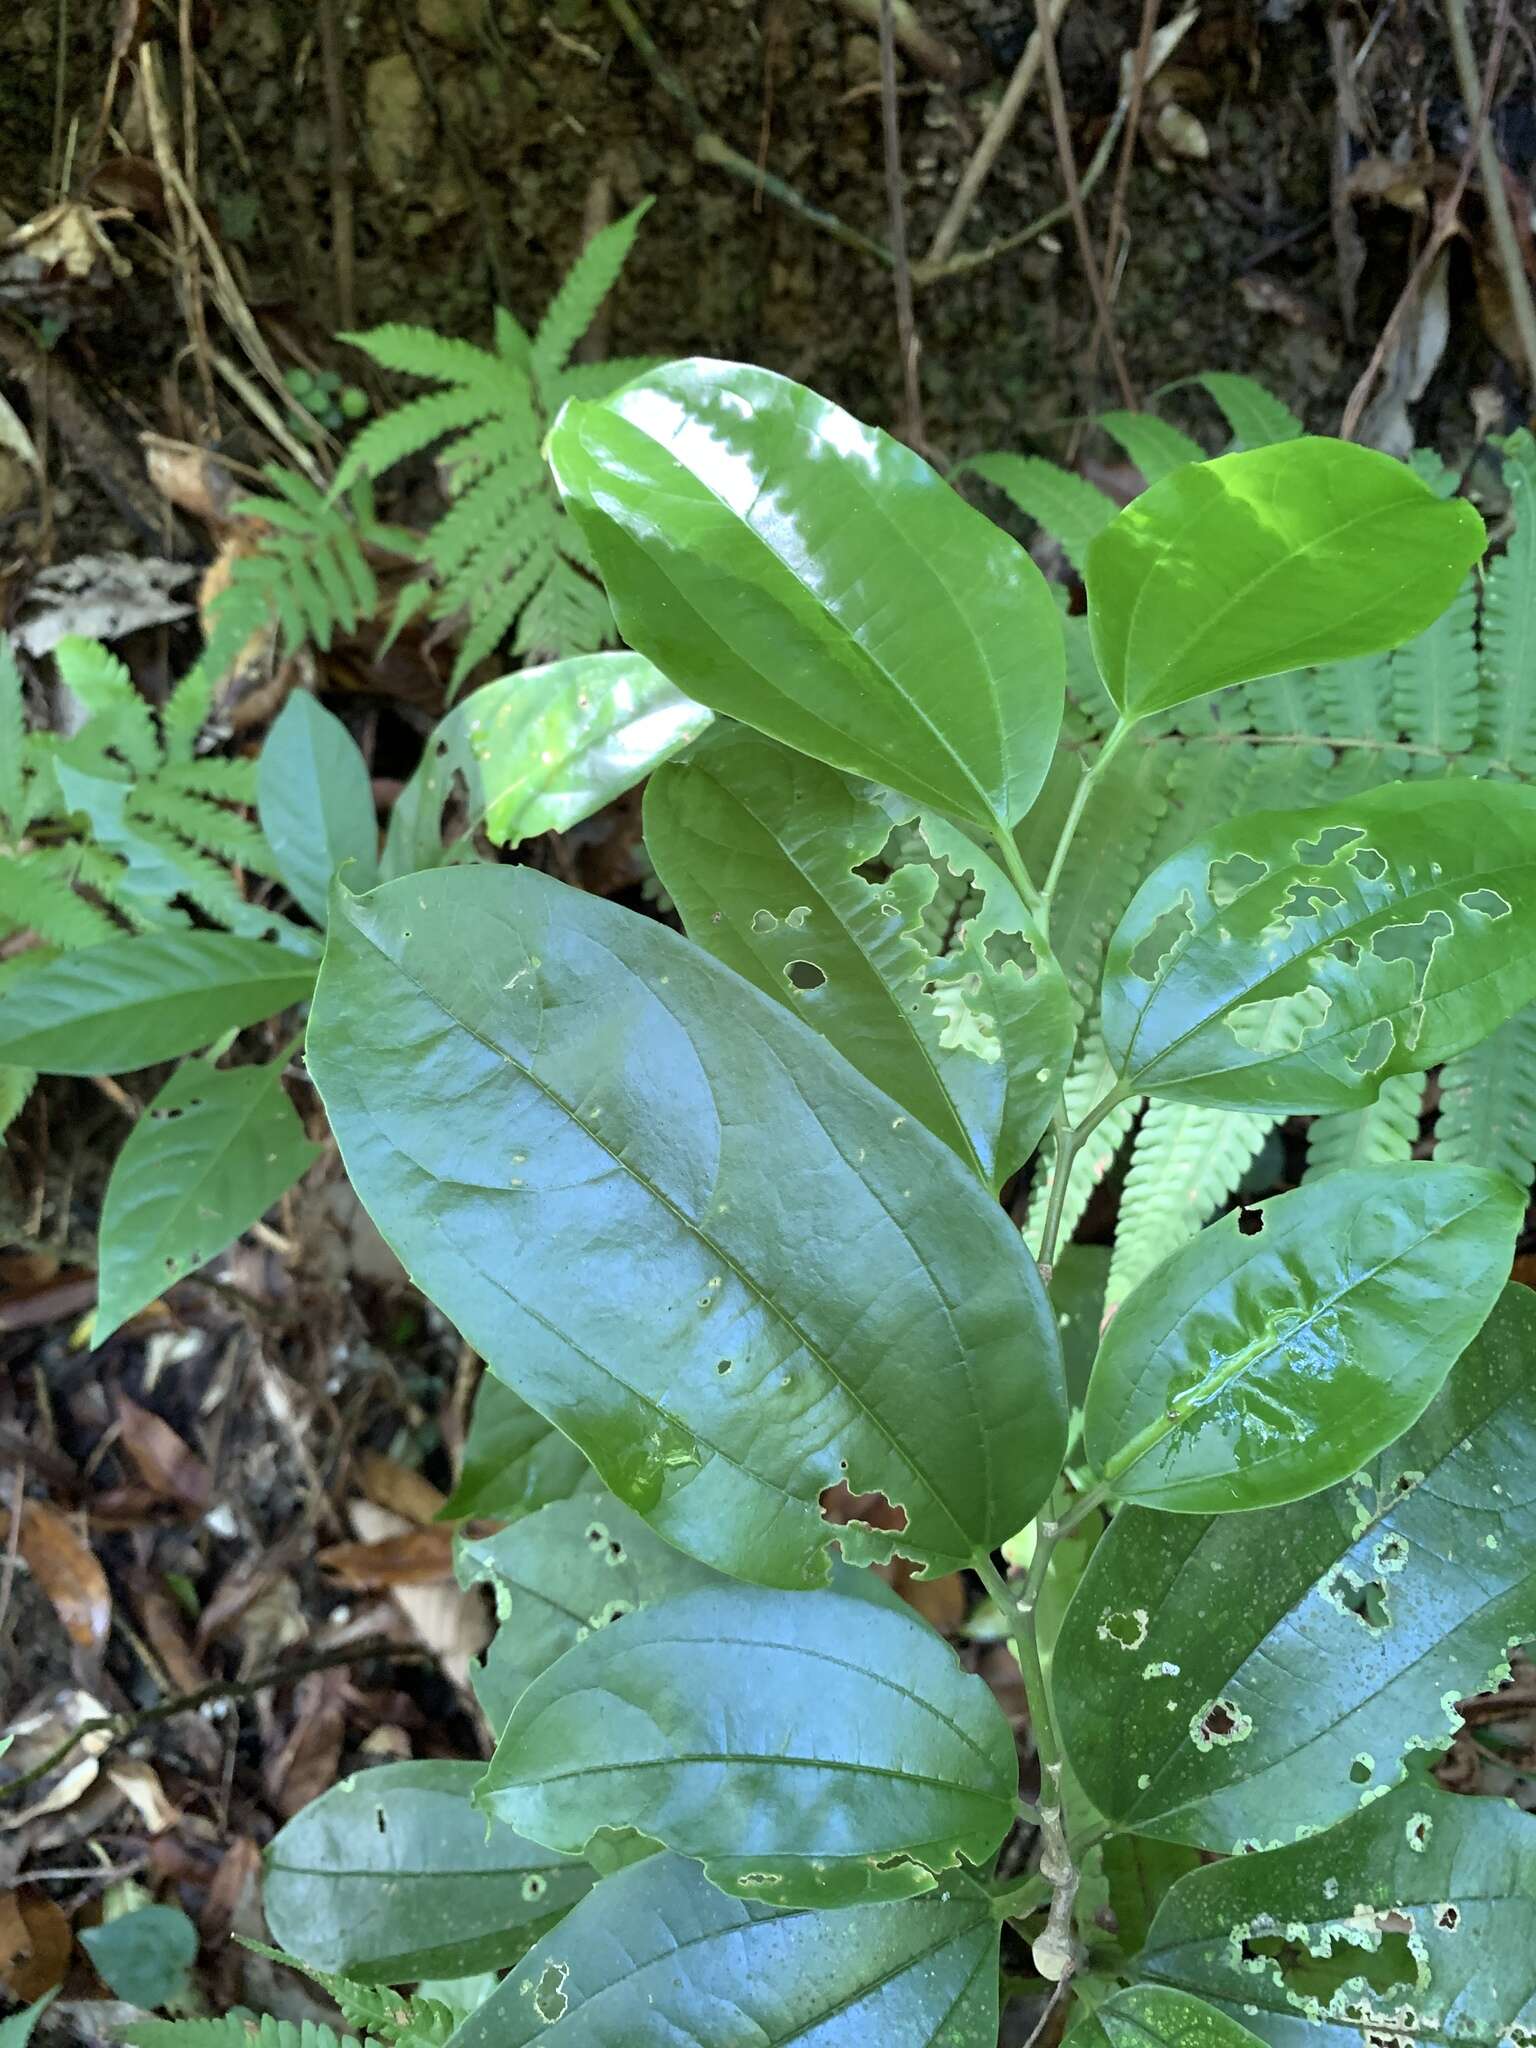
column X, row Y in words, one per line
column 210, row 1155
column 629, row 1178
column 657, row 1956
column 535, row 752
column 764, row 852
column 1342, row 1631
column 1284, row 1345
column 802, row 572
column 315, row 803
column 393, row 1875
column 1155, row 2016
column 1304, row 551
column 856, row 1761
column 1291, row 961
column 132, row 1002
column 1411, row 1920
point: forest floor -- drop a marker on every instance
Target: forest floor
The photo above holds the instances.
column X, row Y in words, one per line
column 243, row 1482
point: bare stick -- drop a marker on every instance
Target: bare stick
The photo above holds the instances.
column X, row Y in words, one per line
column 342, row 249
column 996, row 133
column 1062, row 128
column 906, row 325
column 929, row 52
column 1495, row 196
column 1140, row 69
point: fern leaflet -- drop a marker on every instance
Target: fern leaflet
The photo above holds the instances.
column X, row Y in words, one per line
column 1156, row 448
column 1067, row 506
column 1507, row 720
column 1186, row 1160
column 1488, row 1102
column 1383, row 1131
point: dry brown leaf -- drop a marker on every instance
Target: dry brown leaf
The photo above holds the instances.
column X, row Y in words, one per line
column 161, row 1620
column 454, row 1625
column 416, row 1557
column 164, row 1462
column 141, row 1787
column 190, row 478
column 35, row 1942
column 64, row 1565
column 35, row 1739
column 941, row 1602
column 307, row 1763
column 389, row 1484
column 235, row 1881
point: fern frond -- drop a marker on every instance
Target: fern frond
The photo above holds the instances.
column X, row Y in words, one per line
column 1357, row 698
column 1090, row 1079
column 38, row 894
column 1085, row 686
column 567, row 610
column 501, row 512
column 601, row 380
column 582, row 290
column 235, row 2030
column 1434, row 678
column 1186, row 1160
column 230, row 780
column 1383, row 1131
column 185, row 712
column 422, row 421
column 1488, row 1102
column 512, row 340
column 1156, row 448
column 1107, row 859
column 204, row 824
column 1072, row 510
column 423, row 352
column 185, row 870
column 120, row 722
column 1256, row 416
column 1294, row 702
column 1507, row 700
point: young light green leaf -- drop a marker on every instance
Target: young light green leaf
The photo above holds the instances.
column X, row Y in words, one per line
column 1304, row 551
column 810, row 576
column 130, row 1002
column 393, row 1875
column 528, row 1086
column 656, row 1956
column 573, row 1567
column 315, row 803
column 1290, row 1342
column 515, row 1460
column 16, row 2032
column 535, row 752
column 1290, row 961
column 1343, row 1631
column 1156, row 2016
column 1409, row 1920
column 763, row 852
column 209, row 1156
column 857, row 1762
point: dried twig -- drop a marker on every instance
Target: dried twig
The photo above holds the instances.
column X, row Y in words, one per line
column 1141, row 69
column 906, row 325
column 997, row 132
column 342, row 248
column 1495, row 196
column 928, row 52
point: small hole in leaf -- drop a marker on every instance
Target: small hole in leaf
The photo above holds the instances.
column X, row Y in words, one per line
column 1366, row 1601
column 1250, row 1222
column 1368, row 864
column 379, row 1821
column 1328, row 845
column 1162, row 940
column 1448, row 1917
column 549, row 1999
column 1346, row 951
column 1361, row 1771
column 1485, row 903
column 1225, row 880
column 804, row 974
column 723, row 1367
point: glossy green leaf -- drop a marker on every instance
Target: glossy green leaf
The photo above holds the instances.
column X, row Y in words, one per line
column 1291, row 961
column 808, row 1748
column 209, row 1156
column 1228, row 1679
column 656, row 1957
column 1156, row 2016
column 1288, row 1343
column 575, row 1566
column 804, row 573
column 315, row 803
column 130, row 1002
column 535, row 752
column 394, row 1875
column 1304, row 551
column 631, row 1179
column 1140, row 1872
column 762, row 849
column 515, row 1460
column 1410, row 1920
column 143, row 1956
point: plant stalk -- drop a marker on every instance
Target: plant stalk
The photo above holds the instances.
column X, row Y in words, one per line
column 1118, row 735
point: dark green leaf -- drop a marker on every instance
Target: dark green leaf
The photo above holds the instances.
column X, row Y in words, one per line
column 810, row 576
column 143, row 1956
column 854, row 1762
column 1288, row 1343
column 131, row 1002
column 1140, row 1872
column 1409, row 1921
column 1078, row 1281
column 315, row 803
column 1231, row 1678
column 1155, row 2016
column 1305, row 551
column 631, row 1180
column 538, row 751
column 514, row 1461
column 209, row 1156
column 656, row 1957
column 1291, row 961
column 761, row 849
column 574, row 1566
column 393, row 1875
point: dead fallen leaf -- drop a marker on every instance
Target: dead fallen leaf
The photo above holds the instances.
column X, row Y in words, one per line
column 941, row 1602
column 415, row 1557
column 164, row 1462
column 235, row 1880
column 64, row 1565
column 454, row 1625
column 35, row 1942
column 141, row 1787
column 389, row 1484
column 35, row 1739
column 190, row 477
column 306, row 1764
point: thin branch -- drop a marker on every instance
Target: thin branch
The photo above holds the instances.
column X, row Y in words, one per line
column 1495, row 194
column 929, row 52
column 1140, row 72
column 342, row 248
column 906, row 324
